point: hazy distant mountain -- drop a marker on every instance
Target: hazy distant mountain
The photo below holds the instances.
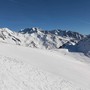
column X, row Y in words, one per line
column 84, row 45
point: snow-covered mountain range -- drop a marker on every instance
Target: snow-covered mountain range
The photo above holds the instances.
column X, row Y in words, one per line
column 35, row 37
column 44, row 39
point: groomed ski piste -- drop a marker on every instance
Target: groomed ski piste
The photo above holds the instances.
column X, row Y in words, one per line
column 25, row 68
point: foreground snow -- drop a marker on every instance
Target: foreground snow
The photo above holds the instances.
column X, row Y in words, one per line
column 15, row 75
column 23, row 68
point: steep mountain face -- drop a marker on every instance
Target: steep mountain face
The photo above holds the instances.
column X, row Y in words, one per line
column 58, row 32
column 69, row 34
column 8, row 36
column 84, row 45
column 30, row 30
column 38, row 38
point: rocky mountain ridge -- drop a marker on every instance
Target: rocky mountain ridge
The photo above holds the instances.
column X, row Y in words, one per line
column 35, row 37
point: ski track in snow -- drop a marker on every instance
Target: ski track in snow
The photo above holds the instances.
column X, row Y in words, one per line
column 16, row 75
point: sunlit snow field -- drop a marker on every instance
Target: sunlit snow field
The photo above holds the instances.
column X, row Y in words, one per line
column 23, row 68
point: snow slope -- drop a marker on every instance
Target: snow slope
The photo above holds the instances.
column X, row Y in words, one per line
column 23, row 68
column 15, row 75
column 84, row 45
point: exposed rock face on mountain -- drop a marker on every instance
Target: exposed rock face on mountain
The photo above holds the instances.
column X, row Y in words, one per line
column 9, row 36
column 70, row 34
column 38, row 38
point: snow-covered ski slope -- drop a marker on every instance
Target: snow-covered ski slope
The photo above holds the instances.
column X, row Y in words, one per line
column 23, row 68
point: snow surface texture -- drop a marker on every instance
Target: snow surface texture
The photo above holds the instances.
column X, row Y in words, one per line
column 35, row 37
column 15, row 75
column 23, row 68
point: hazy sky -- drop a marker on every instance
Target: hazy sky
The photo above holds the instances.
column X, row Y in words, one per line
column 47, row 14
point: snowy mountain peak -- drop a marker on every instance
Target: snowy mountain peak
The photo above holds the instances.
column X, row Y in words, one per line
column 30, row 30
column 70, row 34
column 5, row 30
column 57, row 32
column 38, row 38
